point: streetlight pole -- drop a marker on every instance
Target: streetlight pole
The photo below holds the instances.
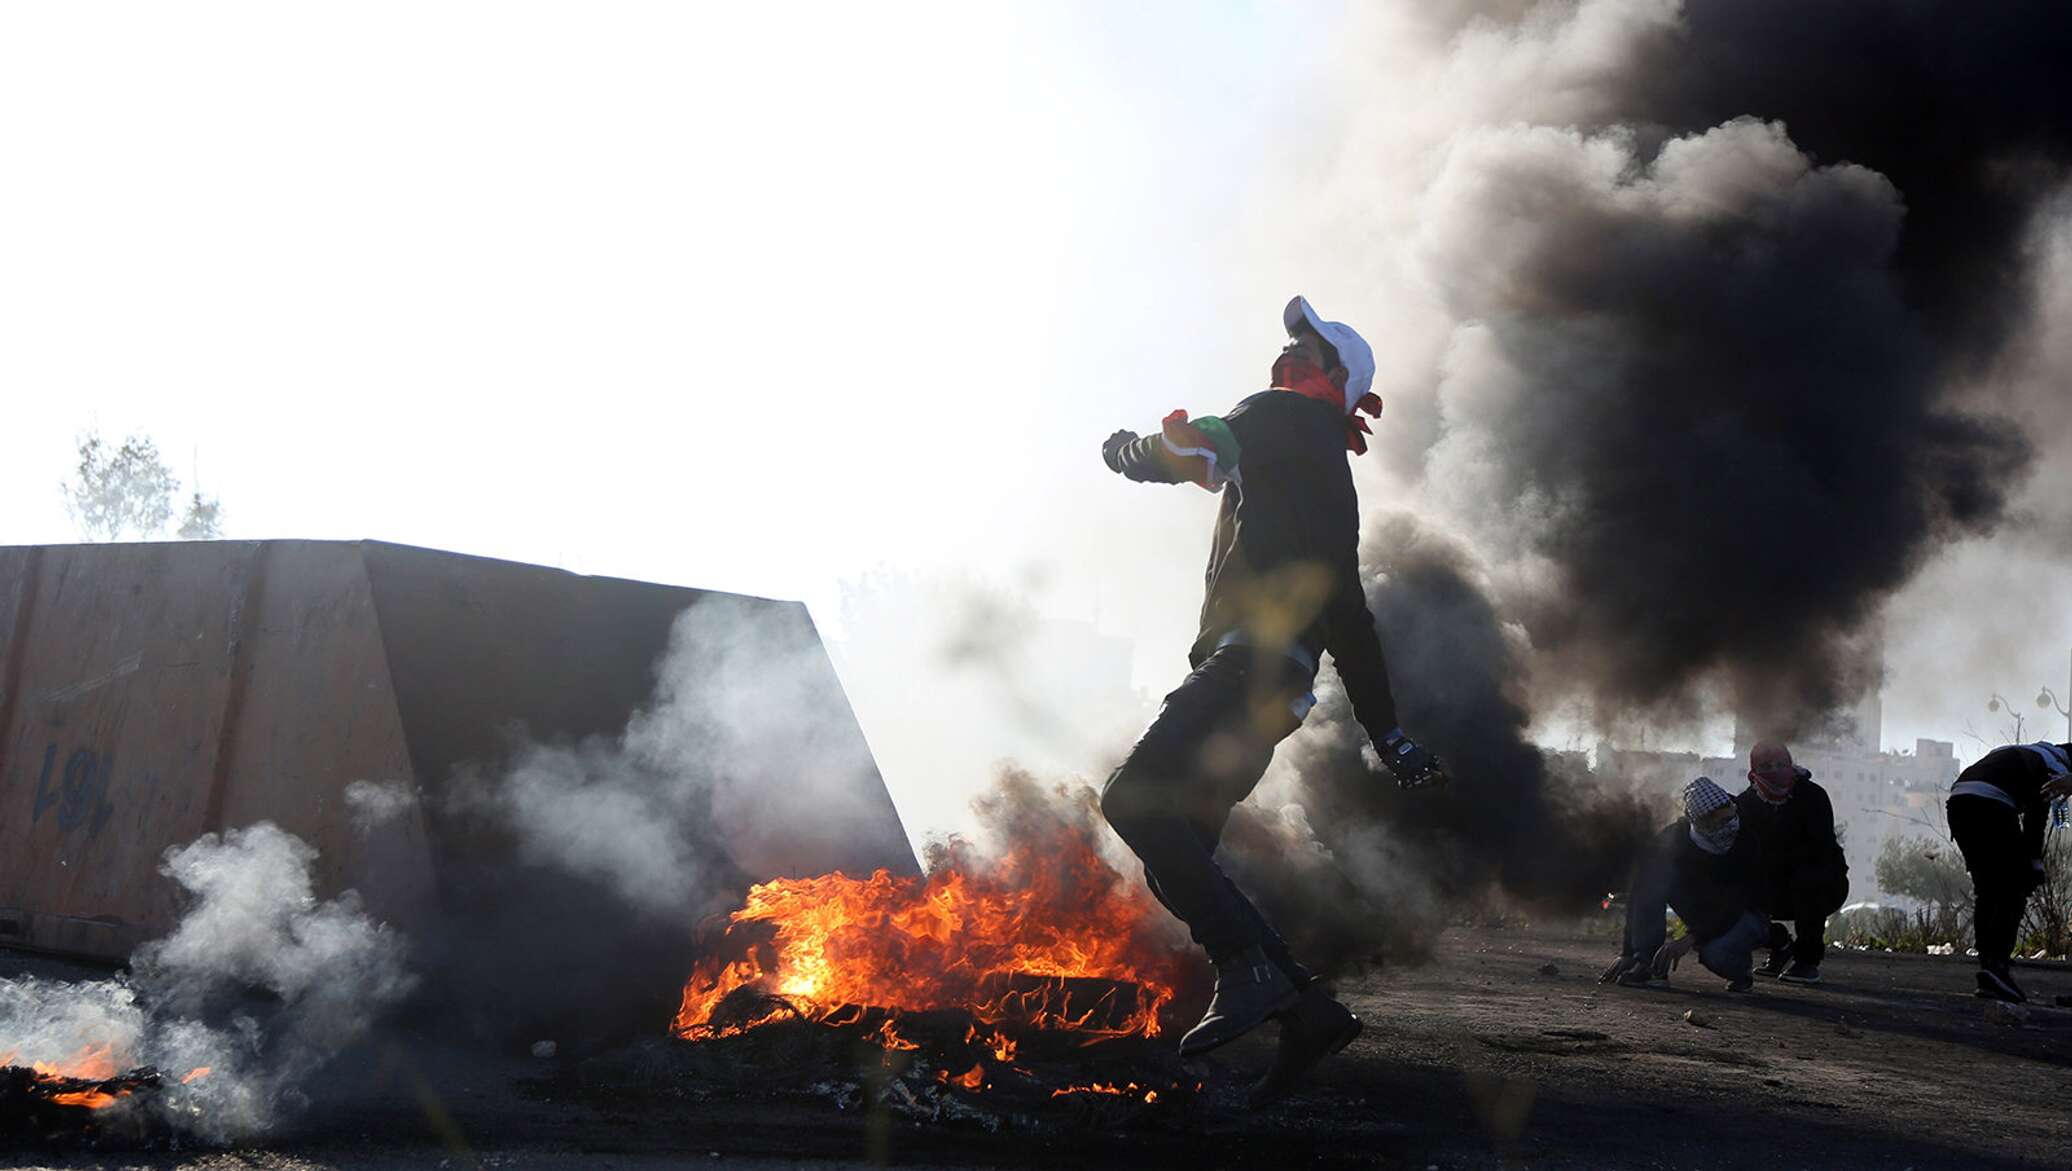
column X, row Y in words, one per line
column 1999, row 701
column 2049, row 701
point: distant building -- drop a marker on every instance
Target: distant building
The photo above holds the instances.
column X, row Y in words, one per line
column 1877, row 795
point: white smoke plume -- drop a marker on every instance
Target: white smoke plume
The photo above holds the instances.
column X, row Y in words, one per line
column 260, row 984
column 373, row 804
column 743, row 765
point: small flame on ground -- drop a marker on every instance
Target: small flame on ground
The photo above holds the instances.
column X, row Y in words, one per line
column 971, row 1079
column 1127, row 1090
column 91, row 1099
column 91, row 1063
column 887, row 1037
column 1000, row 1045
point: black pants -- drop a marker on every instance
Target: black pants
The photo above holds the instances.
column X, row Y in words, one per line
column 1805, row 897
column 1171, row 797
column 1990, row 835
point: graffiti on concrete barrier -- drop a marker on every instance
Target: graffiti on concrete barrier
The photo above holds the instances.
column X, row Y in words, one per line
column 80, row 794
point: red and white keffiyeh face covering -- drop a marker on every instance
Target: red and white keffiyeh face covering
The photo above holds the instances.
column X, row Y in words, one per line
column 1303, row 377
column 1775, row 782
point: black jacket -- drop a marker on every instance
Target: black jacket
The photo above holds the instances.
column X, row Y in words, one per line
column 1709, row 892
column 1796, row 836
column 2020, row 774
column 1284, row 566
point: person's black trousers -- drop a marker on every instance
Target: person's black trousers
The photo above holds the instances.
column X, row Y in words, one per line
column 1171, row 797
column 1989, row 833
column 1805, row 897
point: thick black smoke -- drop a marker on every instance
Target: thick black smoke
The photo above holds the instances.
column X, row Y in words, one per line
column 1963, row 107
column 1394, row 865
column 1713, row 385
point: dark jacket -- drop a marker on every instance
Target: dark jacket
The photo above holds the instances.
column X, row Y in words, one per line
column 1797, row 836
column 1284, row 566
column 2020, row 774
column 1709, row 892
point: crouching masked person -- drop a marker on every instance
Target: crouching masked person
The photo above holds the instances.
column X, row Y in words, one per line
column 1997, row 810
column 1283, row 590
column 1805, row 876
column 1710, row 873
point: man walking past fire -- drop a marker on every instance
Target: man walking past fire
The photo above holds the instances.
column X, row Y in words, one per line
column 1805, row 875
column 1283, row 590
column 1998, row 809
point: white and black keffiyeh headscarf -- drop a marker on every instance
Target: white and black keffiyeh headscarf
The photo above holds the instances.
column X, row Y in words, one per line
column 1700, row 798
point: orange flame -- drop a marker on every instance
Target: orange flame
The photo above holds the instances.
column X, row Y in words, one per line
column 194, row 1075
column 1128, row 1090
column 1000, row 938
column 91, row 1063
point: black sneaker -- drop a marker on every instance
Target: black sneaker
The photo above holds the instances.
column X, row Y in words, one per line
column 1744, row 984
column 1801, row 973
column 1780, row 959
column 1640, row 978
column 1999, row 986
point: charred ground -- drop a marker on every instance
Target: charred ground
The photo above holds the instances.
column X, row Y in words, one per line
column 1481, row 1058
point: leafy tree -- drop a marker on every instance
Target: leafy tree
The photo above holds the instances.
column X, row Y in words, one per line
column 127, row 493
column 1927, row 870
column 119, row 493
column 204, row 519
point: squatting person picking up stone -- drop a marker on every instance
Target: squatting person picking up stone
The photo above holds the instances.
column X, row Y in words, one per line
column 1705, row 868
column 1283, row 590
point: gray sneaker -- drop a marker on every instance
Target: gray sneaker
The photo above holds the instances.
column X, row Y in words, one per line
column 1802, row 973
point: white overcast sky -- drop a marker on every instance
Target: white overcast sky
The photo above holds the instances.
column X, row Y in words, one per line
column 742, row 296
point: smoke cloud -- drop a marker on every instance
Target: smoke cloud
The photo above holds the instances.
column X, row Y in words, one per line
column 1709, row 325
column 322, row 970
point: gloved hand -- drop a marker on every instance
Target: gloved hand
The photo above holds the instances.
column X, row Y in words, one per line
column 1413, row 766
column 1669, row 955
column 1111, row 448
column 1620, row 967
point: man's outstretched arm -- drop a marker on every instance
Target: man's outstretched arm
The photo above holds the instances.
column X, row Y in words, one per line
column 1144, row 459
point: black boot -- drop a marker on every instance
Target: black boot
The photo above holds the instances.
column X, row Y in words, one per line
column 1249, row 989
column 1315, row 1029
column 1997, row 983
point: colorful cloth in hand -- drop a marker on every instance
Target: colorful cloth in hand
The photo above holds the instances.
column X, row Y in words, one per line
column 1205, row 448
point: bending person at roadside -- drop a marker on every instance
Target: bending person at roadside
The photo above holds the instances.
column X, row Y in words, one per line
column 1805, row 877
column 1998, row 809
column 1710, row 873
column 1283, row 590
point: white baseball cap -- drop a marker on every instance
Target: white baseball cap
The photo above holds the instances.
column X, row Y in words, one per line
column 1353, row 351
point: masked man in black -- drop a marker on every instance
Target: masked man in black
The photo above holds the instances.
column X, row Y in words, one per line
column 1283, row 590
column 1805, row 875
